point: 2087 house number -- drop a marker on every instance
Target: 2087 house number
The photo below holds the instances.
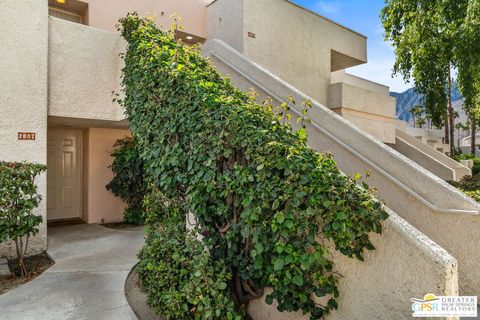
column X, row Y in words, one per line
column 26, row 136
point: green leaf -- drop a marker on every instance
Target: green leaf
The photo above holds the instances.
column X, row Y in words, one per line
column 259, row 247
column 321, row 292
column 289, row 224
column 222, row 286
column 341, row 215
column 317, row 313
column 298, row 280
column 332, row 304
column 302, row 133
column 280, row 217
column 310, row 211
column 275, row 204
column 247, row 201
column 278, row 265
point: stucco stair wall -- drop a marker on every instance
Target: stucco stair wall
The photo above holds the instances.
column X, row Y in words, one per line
column 429, row 158
column 440, row 211
column 381, row 287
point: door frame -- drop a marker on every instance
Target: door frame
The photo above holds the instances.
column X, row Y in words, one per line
column 80, row 165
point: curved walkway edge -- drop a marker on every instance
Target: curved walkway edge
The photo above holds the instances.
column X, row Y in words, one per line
column 87, row 281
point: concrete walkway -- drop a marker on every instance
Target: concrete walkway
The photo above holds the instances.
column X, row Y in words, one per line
column 87, row 280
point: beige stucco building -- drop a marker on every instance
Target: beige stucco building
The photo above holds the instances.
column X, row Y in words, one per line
column 61, row 66
column 70, row 62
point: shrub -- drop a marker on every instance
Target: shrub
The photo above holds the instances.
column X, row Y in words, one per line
column 18, row 198
column 180, row 279
column 476, row 166
column 470, row 185
column 474, row 194
column 159, row 209
column 262, row 198
column 128, row 181
column 176, row 272
column 476, row 162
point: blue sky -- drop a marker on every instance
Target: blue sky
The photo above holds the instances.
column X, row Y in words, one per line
column 363, row 16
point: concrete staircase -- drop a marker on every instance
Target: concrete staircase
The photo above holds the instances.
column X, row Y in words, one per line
column 429, row 158
column 427, row 202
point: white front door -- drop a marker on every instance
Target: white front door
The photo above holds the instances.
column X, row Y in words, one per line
column 64, row 162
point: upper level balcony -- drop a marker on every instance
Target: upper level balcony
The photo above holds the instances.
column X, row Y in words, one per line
column 365, row 103
column 294, row 43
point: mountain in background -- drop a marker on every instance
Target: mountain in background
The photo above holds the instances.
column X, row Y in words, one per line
column 408, row 99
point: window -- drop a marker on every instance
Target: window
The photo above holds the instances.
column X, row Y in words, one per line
column 65, row 15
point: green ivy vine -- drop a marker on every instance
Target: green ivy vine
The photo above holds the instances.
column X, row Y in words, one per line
column 266, row 204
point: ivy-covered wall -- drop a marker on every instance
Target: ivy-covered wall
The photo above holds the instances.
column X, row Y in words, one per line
column 260, row 195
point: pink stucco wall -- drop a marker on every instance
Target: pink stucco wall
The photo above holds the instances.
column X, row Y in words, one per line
column 99, row 204
column 104, row 14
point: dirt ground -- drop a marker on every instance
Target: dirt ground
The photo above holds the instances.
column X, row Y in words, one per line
column 123, row 226
column 137, row 299
column 36, row 265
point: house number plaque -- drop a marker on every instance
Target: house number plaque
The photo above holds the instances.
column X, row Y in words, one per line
column 26, row 136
